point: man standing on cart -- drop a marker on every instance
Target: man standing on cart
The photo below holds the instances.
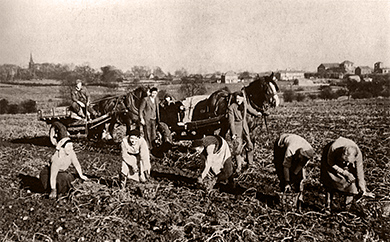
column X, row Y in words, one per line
column 81, row 101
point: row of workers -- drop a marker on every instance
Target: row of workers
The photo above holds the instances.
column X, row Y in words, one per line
column 341, row 164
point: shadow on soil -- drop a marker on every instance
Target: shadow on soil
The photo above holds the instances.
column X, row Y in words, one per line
column 31, row 183
column 41, row 141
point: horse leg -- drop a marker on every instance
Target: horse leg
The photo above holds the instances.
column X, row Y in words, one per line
column 224, row 129
column 111, row 129
column 127, row 121
column 329, row 198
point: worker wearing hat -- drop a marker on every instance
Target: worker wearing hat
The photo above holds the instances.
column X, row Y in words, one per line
column 81, row 100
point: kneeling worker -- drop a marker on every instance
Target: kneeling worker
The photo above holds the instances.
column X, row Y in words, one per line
column 56, row 177
column 136, row 158
column 218, row 160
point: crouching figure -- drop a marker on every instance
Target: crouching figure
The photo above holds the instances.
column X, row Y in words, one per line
column 136, row 158
column 55, row 177
column 342, row 171
column 218, row 161
column 291, row 155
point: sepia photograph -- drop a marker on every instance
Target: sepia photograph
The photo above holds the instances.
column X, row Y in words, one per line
column 194, row 120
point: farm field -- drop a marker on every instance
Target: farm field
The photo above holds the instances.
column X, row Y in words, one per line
column 171, row 207
column 52, row 96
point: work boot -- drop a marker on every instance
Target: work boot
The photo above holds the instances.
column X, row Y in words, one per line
column 249, row 156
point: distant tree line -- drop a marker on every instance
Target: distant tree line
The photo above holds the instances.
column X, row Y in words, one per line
column 66, row 72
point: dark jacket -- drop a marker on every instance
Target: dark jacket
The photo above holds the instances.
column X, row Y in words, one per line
column 81, row 95
column 237, row 117
column 149, row 110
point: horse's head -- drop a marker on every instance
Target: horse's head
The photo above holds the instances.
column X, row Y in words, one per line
column 271, row 90
column 140, row 92
column 262, row 91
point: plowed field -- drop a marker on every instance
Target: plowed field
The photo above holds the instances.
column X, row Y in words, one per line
column 172, row 207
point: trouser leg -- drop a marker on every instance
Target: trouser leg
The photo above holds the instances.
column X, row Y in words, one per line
column 146, row 130
column 237, row 152
column 153, row 132
column 77, row 109
column 249, row 148
column 249, row 156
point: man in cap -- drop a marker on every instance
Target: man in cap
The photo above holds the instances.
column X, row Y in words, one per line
column 81, row 101
column 55, row 177
column 218, row 161
column 149, row 116
column 291, row 155
column 136, row 158
column 342, row 170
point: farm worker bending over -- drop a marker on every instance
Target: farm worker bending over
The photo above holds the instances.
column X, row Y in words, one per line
column 55, row 177
column 149, row 115
column 342, row 170
column 291, row 154
column 81, row 100
column 239, row 129
column 136, row 160
column 218, row 161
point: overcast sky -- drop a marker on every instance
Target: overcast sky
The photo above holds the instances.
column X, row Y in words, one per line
column 201, row 36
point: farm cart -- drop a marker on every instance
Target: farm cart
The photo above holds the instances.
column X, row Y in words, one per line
column 62, row 119
column 196, row 129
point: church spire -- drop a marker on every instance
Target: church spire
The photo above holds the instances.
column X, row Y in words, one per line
column 31, row 63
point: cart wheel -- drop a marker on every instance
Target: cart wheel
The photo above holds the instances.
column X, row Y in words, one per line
column 96, row 133
column 56, row 129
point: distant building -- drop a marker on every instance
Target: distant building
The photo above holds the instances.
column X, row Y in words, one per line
column 289, row 75
column 335, row 70
column 380, row 69
column 229, row 77
column 347, row 67
column 363, row 70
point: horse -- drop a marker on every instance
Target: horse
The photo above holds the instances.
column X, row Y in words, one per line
column 123, row 109
column 260, row 94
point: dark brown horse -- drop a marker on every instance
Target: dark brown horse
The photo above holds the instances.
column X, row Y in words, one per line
column 260, row 94
column 123, row 109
